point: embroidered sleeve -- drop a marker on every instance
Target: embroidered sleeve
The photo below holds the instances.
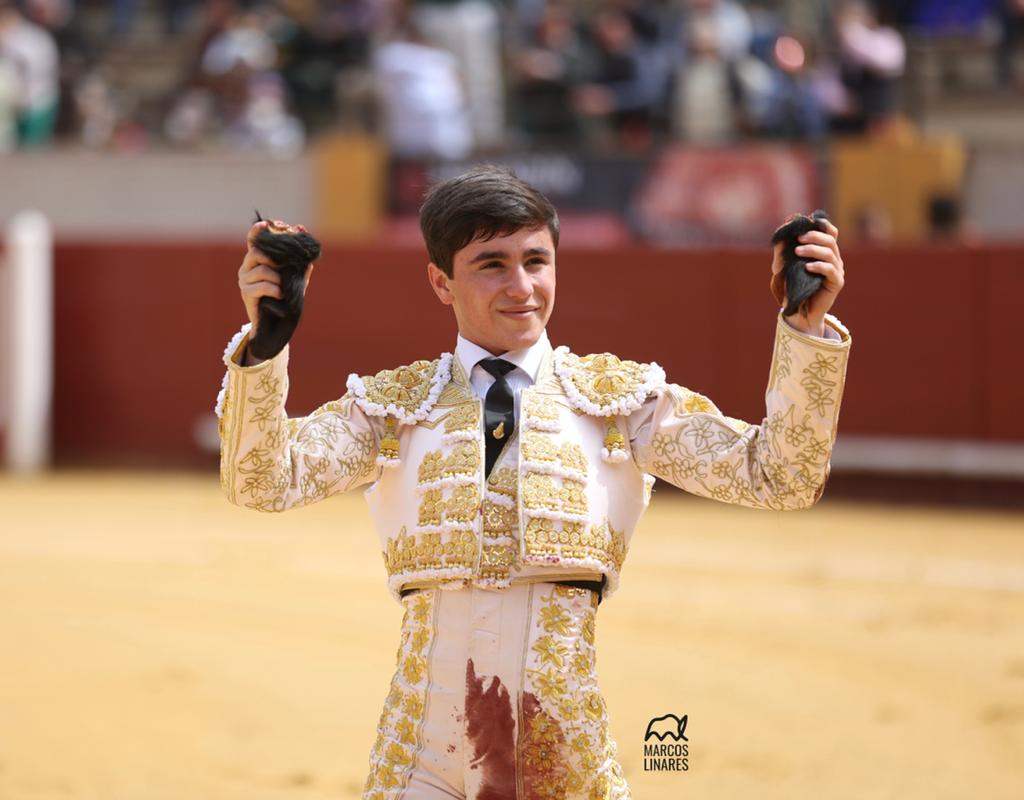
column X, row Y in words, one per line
column 270, row 462
column 783, row 463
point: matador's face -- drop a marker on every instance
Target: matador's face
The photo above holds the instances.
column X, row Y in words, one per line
column 502, row 289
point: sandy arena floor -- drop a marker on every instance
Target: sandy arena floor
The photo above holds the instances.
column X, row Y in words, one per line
column 157, row 643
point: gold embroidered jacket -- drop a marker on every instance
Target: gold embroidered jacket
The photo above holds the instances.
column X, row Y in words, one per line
column 572, row 481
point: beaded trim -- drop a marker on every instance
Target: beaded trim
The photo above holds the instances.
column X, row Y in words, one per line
column 371, row 399
column 236, row 340
column 603, row 385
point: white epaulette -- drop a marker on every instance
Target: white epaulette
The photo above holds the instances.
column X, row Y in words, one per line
column 403, row 396
column 604, row 385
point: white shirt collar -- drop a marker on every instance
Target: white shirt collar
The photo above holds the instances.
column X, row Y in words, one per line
column 528, row 359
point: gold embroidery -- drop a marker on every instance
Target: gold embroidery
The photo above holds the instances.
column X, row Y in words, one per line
column 819, row 387
column 419, row 640
column 547, row 495
column 540, row 407
column 538, row 446
column 617, row 547
column 551, row 651
column 465, row 417
column 496, row 560
column 782, row 357
column 399, row 729
column 464, row 459
column 540, row 492
column 613, row 438
column 778, row 465
column 463, row 504
column 499, row 520
column 454, row 393
column 571, row 456
column 594, row 706
column 389, row 441
column 588, row 628
column 407, row 387
column 574, row 497
column 431, row 506
column 575, row 591
column 295, row 461
column 583, row 664
column 503, row 481
column 544, row 772
column 550, row 684
column 553, row 617
column 431, row 550
column 603, row 378
column 431, row 466
column 564, row 745
column 600, row 542
column 690, row 402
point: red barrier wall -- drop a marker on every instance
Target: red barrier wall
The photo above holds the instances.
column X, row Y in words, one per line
column 140, row 329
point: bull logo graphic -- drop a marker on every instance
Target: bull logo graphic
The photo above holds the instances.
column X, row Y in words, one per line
column 665, row 726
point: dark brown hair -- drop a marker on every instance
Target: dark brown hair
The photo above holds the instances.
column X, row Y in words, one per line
column 485, row 202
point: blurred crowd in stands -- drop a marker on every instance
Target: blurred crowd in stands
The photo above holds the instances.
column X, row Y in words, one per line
column 451, row 78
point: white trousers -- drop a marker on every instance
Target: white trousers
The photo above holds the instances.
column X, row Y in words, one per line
column 495, row 697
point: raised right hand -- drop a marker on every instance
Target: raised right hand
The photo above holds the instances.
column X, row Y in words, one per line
column 258, row 276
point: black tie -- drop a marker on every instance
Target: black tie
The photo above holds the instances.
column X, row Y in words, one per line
column 499, row 408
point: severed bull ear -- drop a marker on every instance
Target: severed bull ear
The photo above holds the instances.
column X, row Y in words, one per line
column 794, row 285
column 292, row 249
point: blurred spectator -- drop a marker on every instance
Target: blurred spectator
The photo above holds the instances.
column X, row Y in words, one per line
column 806, row 19
column 54, row 15
column 604, row 73
column 192, row 119
column 8, row 106
column 77, row 54
column 873, row 226
column 122, row 21
column 716, row 36
column 470, row 30
column 424, row 103
column 243, row 46
column 176, row 15
column 626, row 83
column 265, row 123
column 726, row 23
column 872, row 58
column 544, row 72
column 1011, row 34
column 946, row 224
column 96, row 109
column 704, row 107
column 236, row 94
column 778, row 97
column 34, row 54
column 324, row 56
column 235, row 45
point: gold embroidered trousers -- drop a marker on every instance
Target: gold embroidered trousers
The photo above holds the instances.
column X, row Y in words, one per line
column 495, row 696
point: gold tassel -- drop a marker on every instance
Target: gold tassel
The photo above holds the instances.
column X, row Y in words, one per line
column 614, row 444
column 388, row 444
column 613, row 438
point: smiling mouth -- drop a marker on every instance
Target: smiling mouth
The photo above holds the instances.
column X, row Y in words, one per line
column 525, row 312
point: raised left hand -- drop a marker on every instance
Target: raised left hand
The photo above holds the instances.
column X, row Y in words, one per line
column 823, row 248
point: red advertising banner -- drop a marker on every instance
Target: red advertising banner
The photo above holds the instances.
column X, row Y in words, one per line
column 699, row 197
